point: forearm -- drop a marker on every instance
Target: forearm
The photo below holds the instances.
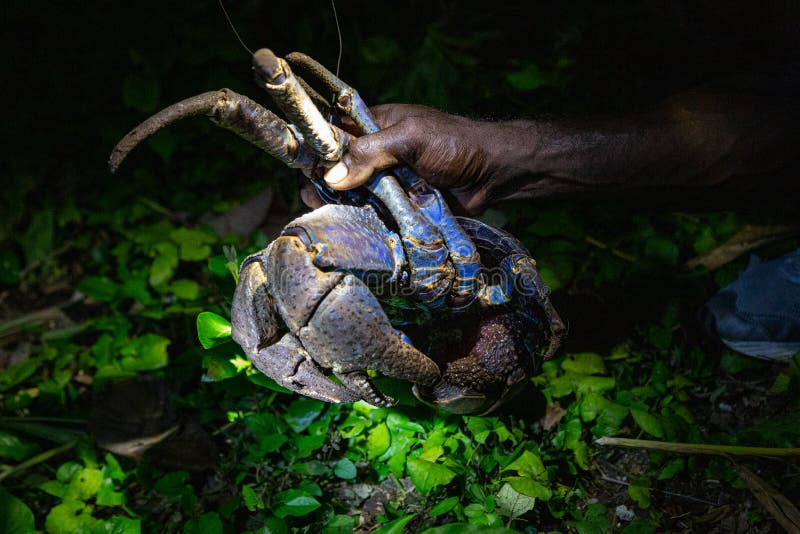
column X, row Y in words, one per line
column 743, row 137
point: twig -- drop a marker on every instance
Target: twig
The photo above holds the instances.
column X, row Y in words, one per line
column 698, row 448
column 665, row 492
column 39, row 458
column 616, row 252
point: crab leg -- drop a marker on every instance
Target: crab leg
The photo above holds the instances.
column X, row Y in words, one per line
column 232, row 111
column 463, row 254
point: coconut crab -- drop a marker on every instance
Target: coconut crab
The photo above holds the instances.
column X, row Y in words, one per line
column 310, row 304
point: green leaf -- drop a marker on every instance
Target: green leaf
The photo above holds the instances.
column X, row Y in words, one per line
column 527, row 464
column 594, row 520
column 302, row 412
column 395, row 527
column 17, row 374
column 119, row 525
column 427, row 475
column 672, row 468
column 193, row 244
column 84, row 484
column 444, row 506
column 208, row 523
column 639, row 491
column 212, row 329
column 251, row 500
column 13, row 447
column 512, row 502
column 185, row 289
column 531, row 488
column 662, row 249
column 164, row 264
column 107, row 494
column 648, row 422
column 100, row 288
column 378, row 441
column 68, row 517
column 295, row 503
column 341, row 524
column 15, row 516
column 345, row 469
column 587, row 363
column 145, row 353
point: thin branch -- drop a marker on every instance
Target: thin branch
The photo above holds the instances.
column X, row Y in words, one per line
column 698, row 448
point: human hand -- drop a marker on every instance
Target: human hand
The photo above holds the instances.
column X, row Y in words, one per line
column 459, row 155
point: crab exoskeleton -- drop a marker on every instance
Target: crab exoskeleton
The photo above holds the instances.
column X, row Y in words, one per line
column 310, row 304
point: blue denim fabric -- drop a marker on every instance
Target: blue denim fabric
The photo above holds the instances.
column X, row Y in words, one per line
column 759, row 314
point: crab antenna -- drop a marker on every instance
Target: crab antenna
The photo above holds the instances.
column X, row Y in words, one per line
column 185, row 108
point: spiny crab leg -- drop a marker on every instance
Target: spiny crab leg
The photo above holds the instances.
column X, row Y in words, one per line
column 275, row 75
column 232, row 111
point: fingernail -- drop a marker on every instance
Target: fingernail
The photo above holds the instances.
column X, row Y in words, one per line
column 336, row 174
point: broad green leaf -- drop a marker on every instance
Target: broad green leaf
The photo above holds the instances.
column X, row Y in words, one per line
column 17, row 374
column 208, row 523
column 119, row 525
column 512, row 502
column 164, row 264
column 100, row 288
column 378, row 441
column 185, row 289
column 639, row 491
column 193, row 244
column 212, row 329
column 302, row 412
column 648, row 422
column 295, row 503
column 13, row 447
column 587, row 363
column 341, row 524
column 37, row 240
column 15, row 516
column 527, row 464
column 107, row 495
column 145, row 353
column 672, row 468
column 396, row 526
column 531, row 488
column 427, row 475
column 68, row 517
column 345, row 469
column 85, row 484
column 444, row 506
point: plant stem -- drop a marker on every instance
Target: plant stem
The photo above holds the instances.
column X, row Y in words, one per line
column 39, row 458
column 698, row 448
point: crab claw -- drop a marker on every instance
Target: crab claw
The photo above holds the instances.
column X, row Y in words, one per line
column 255, row 328
column 288, row 363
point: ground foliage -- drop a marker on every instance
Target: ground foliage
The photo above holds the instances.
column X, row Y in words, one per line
column 104, row 279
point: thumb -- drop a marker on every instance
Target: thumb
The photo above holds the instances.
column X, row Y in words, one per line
column 366, row 155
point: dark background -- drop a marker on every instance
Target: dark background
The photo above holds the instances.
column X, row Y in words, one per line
column 79, row 74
